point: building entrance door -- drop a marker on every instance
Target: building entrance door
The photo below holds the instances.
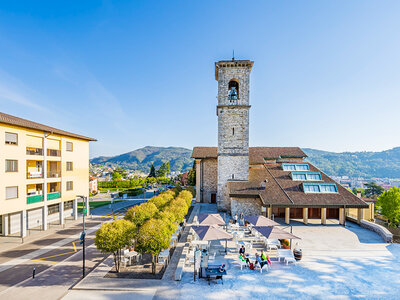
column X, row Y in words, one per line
column 213, row 198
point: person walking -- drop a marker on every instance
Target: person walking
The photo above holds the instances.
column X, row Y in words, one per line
column 235, row 218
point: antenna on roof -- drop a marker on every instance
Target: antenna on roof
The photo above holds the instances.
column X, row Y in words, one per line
column 233, row 55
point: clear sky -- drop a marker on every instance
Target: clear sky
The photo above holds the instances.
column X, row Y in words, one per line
column 136, row 73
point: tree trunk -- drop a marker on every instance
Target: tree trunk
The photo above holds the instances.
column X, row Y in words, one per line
column 153, row 264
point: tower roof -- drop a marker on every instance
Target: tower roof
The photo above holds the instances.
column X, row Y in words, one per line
column 232, row 64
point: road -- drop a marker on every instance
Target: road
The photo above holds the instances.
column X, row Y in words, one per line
column 16, row 265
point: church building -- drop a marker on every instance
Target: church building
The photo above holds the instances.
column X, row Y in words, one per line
column 261, row 180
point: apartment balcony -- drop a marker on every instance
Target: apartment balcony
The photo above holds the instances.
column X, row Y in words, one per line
column 34, row 151
column 34, row 193
column 53, row 152
column 54, row 174
column 52, row 196
column 34, row 199
column 34, row 175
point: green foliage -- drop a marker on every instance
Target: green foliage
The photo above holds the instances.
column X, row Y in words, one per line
column 152, row 171
column 390, row 205
column 152, row 238
column 192, row 175
column 355, row 190
column 191, row 190
column 162, row 200
column 137, row 182
column 373, row 190
column 111, row 237
column 177, row 189
column 116, row 176
column 164, row 170
column 139, row 214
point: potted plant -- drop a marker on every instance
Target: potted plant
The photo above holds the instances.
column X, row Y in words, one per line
column 285, row 244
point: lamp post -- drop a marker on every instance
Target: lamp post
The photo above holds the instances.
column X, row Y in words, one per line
column 83, row 234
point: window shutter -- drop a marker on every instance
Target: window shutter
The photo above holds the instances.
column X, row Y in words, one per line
column 11, row 192
column 11, row 138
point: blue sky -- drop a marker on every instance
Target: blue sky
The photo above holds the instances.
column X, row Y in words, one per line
column 137, row 73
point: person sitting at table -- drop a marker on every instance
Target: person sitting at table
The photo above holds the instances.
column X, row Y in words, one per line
column 243, row 257
column 260, row 261
column 265, row 257
column 242, row 250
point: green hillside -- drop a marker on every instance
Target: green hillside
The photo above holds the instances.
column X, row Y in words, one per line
column 142, row 159
column 354, row 164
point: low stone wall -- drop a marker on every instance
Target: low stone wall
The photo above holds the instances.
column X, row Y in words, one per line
column 249, row 207
column 379, row 229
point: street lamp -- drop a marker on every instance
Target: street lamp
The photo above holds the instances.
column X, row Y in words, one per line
column 83, row 234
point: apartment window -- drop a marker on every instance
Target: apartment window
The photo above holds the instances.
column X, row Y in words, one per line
column 70, row 185
column 320, row 188
column 70, row 146
column 306, row 176
column 69, row 166
column 11, row 138
column 68, row 205
column 11, row 192
column 52, row 209
column 11, row 165
column 295, row 167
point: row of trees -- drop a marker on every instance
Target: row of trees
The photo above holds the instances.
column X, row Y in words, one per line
column 150, row 225
column 163, row 171
column 389, row 204
column 136, row 182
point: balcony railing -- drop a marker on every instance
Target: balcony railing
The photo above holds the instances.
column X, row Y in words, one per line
column 52, row 196
column 52, row 152
column 34, row 199
column 34, row 151
column 34, row 175
column 52, row 174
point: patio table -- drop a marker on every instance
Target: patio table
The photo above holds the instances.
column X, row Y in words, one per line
column 165, row 255
column 214, row 273
column 131, row 254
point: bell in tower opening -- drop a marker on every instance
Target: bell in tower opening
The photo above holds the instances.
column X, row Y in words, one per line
column 233, row 90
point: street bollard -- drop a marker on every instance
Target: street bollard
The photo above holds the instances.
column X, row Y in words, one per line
column 33, row 272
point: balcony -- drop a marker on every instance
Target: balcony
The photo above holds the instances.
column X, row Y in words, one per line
column 52, row 196
column 54, row 174
column 53, row 152
column 34, row 151
column 34, row 199
column 34, row 175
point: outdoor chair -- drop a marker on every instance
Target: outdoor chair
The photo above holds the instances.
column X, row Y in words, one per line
column 265, row 267
column 211, row 258
column 242, row 264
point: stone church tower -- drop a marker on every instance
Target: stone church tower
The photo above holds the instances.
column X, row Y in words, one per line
column 233, row 124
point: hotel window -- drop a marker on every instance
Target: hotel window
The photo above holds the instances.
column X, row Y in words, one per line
column 52, row 209
column 70, row 185
column 295, row 167
column 68, row 205
column 70, row 146
column 11, row 138
column 69, row 166
column 11, row 192
column 306, row 176
column 11, row 165
column 320, row 188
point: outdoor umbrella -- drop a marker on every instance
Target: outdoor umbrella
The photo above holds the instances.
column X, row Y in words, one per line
column 275, row 233
column 261, row 221
column 212, row 233
column 210, row 219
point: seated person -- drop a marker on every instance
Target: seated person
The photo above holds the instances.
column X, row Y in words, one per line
column 260, row 261
column 244, row 258
column 242, row 250
column 265, row 257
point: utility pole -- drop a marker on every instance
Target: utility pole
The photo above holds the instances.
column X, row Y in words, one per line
column 83, row 234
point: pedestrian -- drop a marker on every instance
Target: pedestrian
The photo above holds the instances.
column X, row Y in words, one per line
column 242, row 218
column 235, row 218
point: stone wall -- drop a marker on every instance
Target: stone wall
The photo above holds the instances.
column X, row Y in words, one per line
column 238, row 166
column 249, row 206
column 242, row 75
column 210, row 178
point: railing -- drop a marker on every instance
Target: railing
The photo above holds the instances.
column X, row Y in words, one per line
column 52, row 174
column 53, row 152
column 34, row 151
column 34, row 175
column 34, row 199
column 52, row 196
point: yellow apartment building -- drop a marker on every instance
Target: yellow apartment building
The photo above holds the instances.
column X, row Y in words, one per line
column 42, row 170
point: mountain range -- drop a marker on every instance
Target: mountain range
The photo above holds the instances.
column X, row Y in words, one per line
column 384, row 164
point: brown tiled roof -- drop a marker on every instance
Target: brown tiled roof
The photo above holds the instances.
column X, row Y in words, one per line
column 12, row 120
column 281, row 190
column 369, row 199
column 256, row 154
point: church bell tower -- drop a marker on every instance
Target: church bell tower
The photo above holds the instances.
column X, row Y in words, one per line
column 233, row 78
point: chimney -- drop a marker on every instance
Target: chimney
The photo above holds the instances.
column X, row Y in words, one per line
column 359, row 194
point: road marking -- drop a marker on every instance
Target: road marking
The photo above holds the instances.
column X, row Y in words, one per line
column 44, row 259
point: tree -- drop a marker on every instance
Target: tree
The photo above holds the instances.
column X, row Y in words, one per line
column 164, row 170
column 113, row 236
column 152, row 171
column 373, row 190
column 116, row 176
column 355, row 190
column 153, row 237
column 139, row 214
column 192, row 175
column 390, row 205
